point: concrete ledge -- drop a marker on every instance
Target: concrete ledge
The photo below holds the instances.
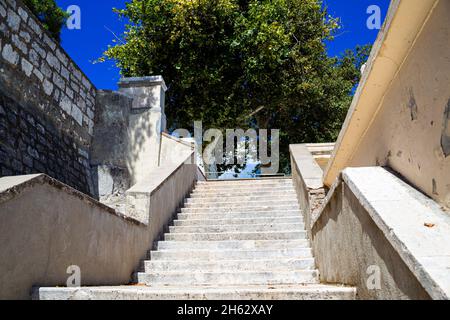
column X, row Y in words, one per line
column 310, row 171
column 307, row 177
column 12, row 187
column 162, row 192
column 311, row 292
column 414, row 225
column 47, row 226
column 372, row 218
column 178, row 140
column 143, row 81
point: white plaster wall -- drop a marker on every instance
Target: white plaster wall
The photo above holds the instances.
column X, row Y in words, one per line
column 408, row 132
column 145, row 141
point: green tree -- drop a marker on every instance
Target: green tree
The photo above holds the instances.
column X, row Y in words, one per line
column 243, row 63
column 51, row 16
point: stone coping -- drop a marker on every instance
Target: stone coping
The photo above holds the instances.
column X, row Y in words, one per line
column 251, row 179
column 143, row 82
column 415, row 225
column 12, row 187
column 186, row 143
column 307, row 166
column 158, row 177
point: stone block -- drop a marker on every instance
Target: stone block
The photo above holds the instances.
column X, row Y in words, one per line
column 13, row 20
column 26, row 36
column 12, row 3
column 53, row 61
column 77, row 115
column 27, row 67
column 66, row 104
column 62, row 57
column 19, row 44
column 10, row 55
column 39, row 75
column 48, row 87
column 2, row 11
column 49, row 42
column 35, row 59
column 59, row 82
column 35, row 27
column 65, row 73
column 23, row 14
column 39, row 50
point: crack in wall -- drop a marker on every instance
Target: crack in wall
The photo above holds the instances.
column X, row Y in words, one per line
column 412, row 105
column 445, row 138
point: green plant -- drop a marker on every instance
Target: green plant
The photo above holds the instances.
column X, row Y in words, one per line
column 51, row 16
column 243, row 63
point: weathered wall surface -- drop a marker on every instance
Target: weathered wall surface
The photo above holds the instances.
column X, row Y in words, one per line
column 111, row 148
column 173, row 150
column 41, row 238
column 411, row 132
column 346, row 243
column 47, row 227
column 162, row 191
column 372, row 226
column 47, row 104
column 146, row 123
column 377, row 233
column 307, row 178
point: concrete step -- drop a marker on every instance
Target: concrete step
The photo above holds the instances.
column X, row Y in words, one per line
column 242, row 204
column 242, row 191
column 232, row 245
column 273, row 207
column 239, row 228
column 246, row 182
column 240, row 195
column 287, row 235
column 256, row 189
column 294, row 293
column 236, row 221
column 192, row 255
column 254, row 198
column 231, row 265
column 240, row 215
column 228, row 278
column 234, row 240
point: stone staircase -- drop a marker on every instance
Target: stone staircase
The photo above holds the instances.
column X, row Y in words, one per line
column 232, row 240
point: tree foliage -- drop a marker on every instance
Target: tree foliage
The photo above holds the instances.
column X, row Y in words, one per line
column 51, row 16
column 243, row 63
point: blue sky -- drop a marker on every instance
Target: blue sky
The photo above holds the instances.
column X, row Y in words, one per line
column 99, row 24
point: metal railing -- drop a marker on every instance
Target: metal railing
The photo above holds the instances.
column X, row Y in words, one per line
column 215, row 175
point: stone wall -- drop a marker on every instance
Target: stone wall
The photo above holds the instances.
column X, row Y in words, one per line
column 47, row 104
